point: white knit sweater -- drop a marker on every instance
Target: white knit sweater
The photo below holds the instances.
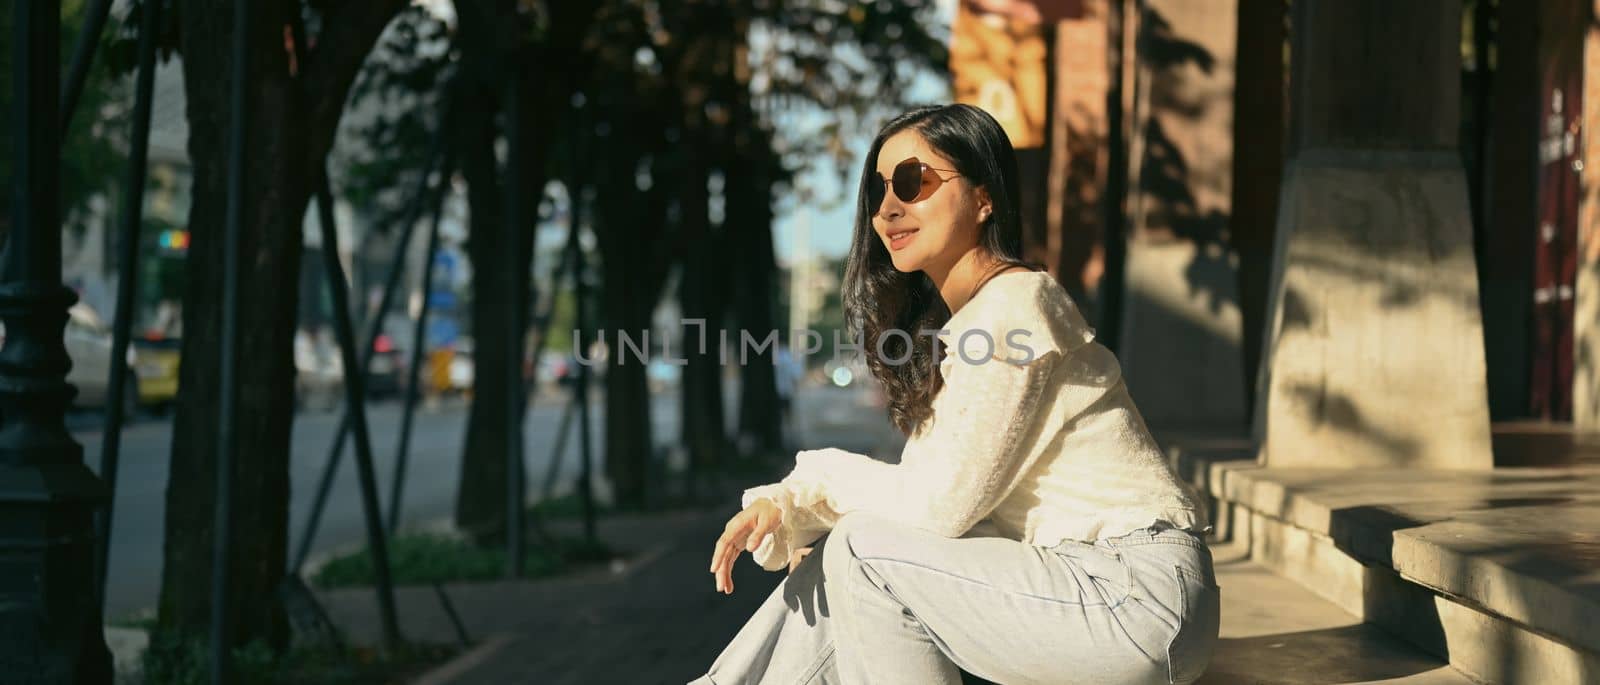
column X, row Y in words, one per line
column 1045, row 447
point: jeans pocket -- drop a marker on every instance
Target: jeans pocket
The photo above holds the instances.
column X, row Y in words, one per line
column 1105, row 571
column 1200, row 611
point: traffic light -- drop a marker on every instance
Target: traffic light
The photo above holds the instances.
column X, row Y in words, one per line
column 174, row 239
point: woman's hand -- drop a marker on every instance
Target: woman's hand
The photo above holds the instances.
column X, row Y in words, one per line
column 743, row 532
column 794, row 559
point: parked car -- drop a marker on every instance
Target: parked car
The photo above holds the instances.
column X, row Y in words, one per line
column 87, row 339
column 386, row 372
column 565, row 368
column 88, row 343
column 461, row 369
column 319, row 370
column 156, row 362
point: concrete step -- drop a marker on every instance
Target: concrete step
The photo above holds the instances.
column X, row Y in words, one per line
column 1276, row 632
column 1496, row 571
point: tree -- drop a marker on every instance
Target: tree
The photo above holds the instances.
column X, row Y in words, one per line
column 294, row 108
column 94, row 146
column 670, row 101
column 500, row 42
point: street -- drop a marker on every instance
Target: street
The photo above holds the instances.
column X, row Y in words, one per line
column 430, row 487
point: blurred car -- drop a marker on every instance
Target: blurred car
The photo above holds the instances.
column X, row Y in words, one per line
column 87, row 339
column 156, row 360
column 319, row 370
column 386, row 372
column 460, row 373
column 88, row 342
column 565, row 368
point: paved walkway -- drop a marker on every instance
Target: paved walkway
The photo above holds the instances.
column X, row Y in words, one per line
column 661, row 621
column 657, row 620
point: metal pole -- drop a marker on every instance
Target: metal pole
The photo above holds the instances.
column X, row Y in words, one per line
column 336, row 450
column 581, row 292
column 558, row 448
column 355, row 406
column 222, row 528
column 127, row 283
column 83, row 57
column 419, row 331
column 515, row 158
column 53, row 633
column 581, row 388
column 541, row 328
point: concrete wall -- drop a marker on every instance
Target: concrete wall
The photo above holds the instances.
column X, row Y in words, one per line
column 1180, row 339
column 1586, row 313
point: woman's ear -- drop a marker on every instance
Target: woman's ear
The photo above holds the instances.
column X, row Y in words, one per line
column 985, row 205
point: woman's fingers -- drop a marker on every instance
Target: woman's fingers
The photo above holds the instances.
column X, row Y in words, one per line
column 724, row 570
column 722, row 542
column 716, row 551
column 744, row 532
column 763, row 525
column 727, row 550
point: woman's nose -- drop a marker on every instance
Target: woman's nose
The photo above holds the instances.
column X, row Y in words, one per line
column 891, row 208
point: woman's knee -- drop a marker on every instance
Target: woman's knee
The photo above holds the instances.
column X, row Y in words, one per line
column 854, row 537
column 837, row 548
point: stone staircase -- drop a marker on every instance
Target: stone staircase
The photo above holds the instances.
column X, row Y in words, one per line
column 1495, row 573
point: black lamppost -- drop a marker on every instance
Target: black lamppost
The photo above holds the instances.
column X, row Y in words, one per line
column 49, row 618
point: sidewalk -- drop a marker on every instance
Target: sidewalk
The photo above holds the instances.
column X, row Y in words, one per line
column 657, row 619
column 660, row 621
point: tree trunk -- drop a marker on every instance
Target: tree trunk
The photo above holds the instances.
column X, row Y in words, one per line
column 290, row 129
column 629, row 439
column 632, row 234
column 750, row 219
column 491, row 35
column 702, row 294
column 480, row 498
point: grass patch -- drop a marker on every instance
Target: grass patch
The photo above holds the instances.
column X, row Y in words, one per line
column 186, row 661
column 422, row 558
column 144, row 619
column 570, row 506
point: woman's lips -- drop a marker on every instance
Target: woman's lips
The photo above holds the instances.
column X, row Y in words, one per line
column 899, row 238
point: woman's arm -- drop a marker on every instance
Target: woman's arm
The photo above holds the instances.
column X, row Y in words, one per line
column 950, row 476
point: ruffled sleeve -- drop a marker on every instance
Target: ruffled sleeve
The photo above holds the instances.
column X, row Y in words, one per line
column 805, row 516
column 951, row 475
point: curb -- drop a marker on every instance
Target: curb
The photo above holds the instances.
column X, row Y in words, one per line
column 472, row 658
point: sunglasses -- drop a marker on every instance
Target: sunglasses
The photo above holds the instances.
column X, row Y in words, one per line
column 913, row 181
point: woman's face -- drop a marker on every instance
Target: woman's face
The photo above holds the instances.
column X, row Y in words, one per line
column 938, row 229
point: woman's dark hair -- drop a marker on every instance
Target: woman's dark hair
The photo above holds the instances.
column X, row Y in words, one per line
column 878, row 298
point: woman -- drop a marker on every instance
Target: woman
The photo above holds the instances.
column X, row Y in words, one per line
column 1032, row 531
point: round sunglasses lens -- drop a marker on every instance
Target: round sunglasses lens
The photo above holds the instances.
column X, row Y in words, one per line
column 908, row 181
column 875, row 193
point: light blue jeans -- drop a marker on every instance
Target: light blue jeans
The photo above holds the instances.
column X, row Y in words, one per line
column 881, row 603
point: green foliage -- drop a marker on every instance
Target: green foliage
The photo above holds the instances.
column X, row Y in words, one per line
column 174, row 659
column 420, row 558
column 394, row 109
column 646, row 66
column 94, row 149
column 185, row 660
column 570, row 506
